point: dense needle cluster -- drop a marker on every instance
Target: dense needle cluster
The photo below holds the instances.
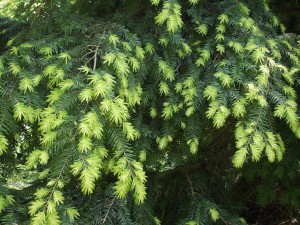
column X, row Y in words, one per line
column 125, row 112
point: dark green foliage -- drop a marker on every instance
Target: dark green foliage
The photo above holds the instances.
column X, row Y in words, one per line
column 288, row 12
column 148, row 112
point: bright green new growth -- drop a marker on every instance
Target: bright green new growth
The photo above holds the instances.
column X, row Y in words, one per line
column 101, row 102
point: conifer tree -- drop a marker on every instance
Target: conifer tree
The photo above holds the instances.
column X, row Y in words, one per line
column 147, row 112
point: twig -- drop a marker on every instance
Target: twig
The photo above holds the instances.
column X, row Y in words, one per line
column 106, row 215
column 226, row 222
column 191, row 184
column 95, row 57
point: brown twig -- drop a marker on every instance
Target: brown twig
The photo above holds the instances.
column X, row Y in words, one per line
column 95, row 57
column 190, row 182
column 109, row 208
